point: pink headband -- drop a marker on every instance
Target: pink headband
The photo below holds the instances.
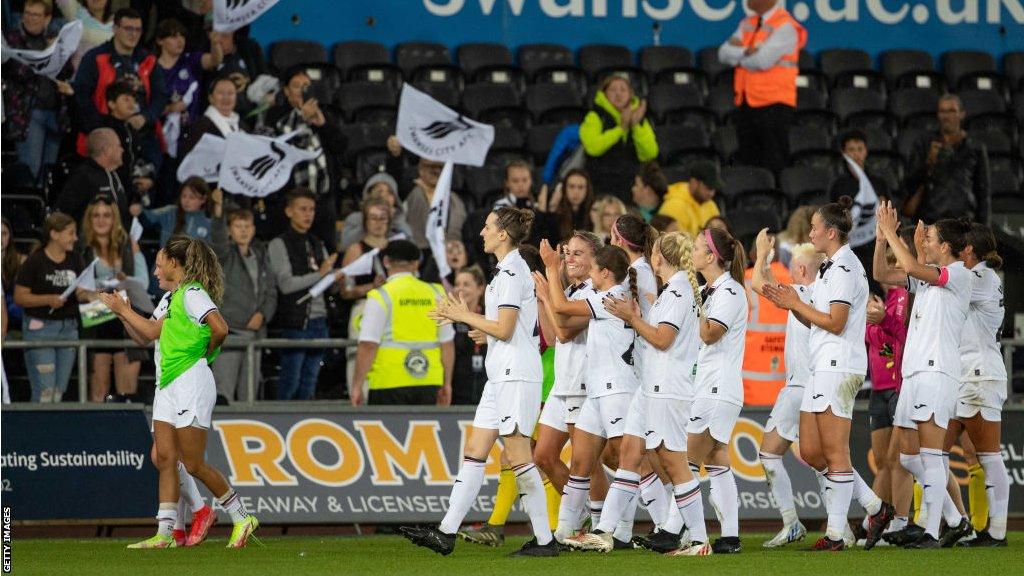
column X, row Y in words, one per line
column 615, row 228
column 711, row 243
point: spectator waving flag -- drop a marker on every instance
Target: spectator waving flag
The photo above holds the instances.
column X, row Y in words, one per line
column 437, row 220
column 434, row 131
column 204, row 160
column 257, row 166
column 50, row 61
column 230, row 15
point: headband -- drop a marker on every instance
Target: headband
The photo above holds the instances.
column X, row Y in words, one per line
column 711, row 243
column 615, row 228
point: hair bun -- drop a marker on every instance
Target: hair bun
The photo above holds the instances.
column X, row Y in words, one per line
column 527, row 215
column 845, row 201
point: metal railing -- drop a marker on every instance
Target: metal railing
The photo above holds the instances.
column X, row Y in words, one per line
column 250, row 347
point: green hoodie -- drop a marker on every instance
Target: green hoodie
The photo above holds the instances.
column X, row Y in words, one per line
column 596, row 140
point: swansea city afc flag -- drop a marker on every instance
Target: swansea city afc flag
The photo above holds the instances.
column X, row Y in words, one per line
column 204, row 159
column 49, row 61
column 230, row 15
column 437, row 220
column 434, row 131
column 257, row 166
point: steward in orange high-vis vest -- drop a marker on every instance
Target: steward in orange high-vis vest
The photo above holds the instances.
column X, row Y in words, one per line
column 765, row 49
column 764, row 366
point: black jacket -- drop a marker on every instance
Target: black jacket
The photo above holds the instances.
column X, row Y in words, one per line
column 87, row 181
column 302, row 248
column 958, row 184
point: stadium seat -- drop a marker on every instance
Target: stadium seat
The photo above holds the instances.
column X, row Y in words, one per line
column 900, row 67
column 708, row 61
column 535, row 57
column 356, row 54
column 508, row 146
column 679, row 104
column 484, row 183
column 287, row 53
column 878, row 140
column 366, row 148
column 367, row 102
column 812, row 110
column 539, row 139
column 805, row 60
column 443, row 93
column 915, row 107
column 495, row 104
column 675, row 141
column 986, row 110
column 748, row 219
column 474, row 57
column 907, row 139
column 743, row 180
column 386, row 74
column 860, row 107
column 554, row 103
column 25, row 209
column 570, row 76
column 968, row 69
column 595, row 58
column 886, row 166
column 803, row 185
column 656, row 59
column 412, row 55
column 325, row 82
column 1004, row 182
column 722, row 101
column 448, row 75
column 850, row 68
column 1013, row 68
column 725, row 142
column 812, row 147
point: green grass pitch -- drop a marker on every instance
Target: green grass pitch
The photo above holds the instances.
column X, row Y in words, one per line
column 387, row 555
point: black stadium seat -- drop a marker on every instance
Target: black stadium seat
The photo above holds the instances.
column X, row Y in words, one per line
column 860, row 107
column 367, row 102
column 539, row 140
column 805, row 185
column 878, row 140
column 287, row 53
column 812, row 110
column 680, row 104
column 412, row 55
column 444, row 93
column 915, row 107
column 325, row 82
column 707, row 59
column 367, row 148
column 968, row 69
column 676, row 141
column 655, row 59
column 850, row 68
column 536, row 57
column 595, row 58
column 357, row 53
column 476, row 57
column 484, row 182
column 743, row 180
column 748, row 219
column 570, row 76
column 911, row 69
column 722, row 101
column 726, row 143
column 554, row 103
column 496, row 104
column 986, row 110
column 1013, row 68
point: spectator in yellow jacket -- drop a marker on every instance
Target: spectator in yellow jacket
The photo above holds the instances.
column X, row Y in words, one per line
column 692, row 203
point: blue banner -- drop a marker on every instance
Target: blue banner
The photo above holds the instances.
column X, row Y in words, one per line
column 936, row 26
column 77, row 464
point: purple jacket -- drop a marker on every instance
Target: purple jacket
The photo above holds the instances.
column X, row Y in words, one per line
column 886, row 341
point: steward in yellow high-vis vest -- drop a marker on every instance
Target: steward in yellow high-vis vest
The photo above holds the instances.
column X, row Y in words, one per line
column 405, row 356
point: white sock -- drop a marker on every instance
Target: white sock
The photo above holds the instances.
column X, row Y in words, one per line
column 166, row 516
column 621, row 492
column 531, row 492
column 232, row 503
column 780, row 485
column 189, row 490
column 624, row 527
column 949, row 509
column 180, row 511
column 655, row 499
column 935, row 490
column 838, row 494
column 898, row 523
column 912, row 463
column 725, row 496
column 675, row 520
column 570, row 510
column 865, row 495
column 464, row 492
column 997, row 492
column 596, row 508
column 691, row 508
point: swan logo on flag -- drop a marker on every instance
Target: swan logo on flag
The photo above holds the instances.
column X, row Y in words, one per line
column 230, row 15
column 434, row 131
column 260, row 166
column 51, row 60
column 204, row 160
column 257, row 166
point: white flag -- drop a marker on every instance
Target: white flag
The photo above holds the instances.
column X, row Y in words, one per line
column 230, row 15
column 172, row 124
column 49, row 61
column 358, row 267
column 204, row 160
column 434, row 131
column 437, row 219
column 86, row 280
column 257, row 166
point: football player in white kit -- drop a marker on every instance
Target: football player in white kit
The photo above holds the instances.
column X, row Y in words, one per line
column 931, row 359
column 659, row 411
column 836, row 315
column 510, row 404
column 783, row 427
column 720, row 258
column 609, row 373
column 983, row 380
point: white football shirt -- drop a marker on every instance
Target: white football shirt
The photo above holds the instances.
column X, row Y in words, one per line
column 720, row 365
column 840, row 280
column 937, row 321
column 571, row 356
column 980, row 354
column 798, row 351
column 518, row 358
column 670, row 373
column 609, row 348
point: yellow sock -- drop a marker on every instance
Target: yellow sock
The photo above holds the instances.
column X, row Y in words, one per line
column 554, row 501
column 505, row 498
column 918, row 497
column 976, row 497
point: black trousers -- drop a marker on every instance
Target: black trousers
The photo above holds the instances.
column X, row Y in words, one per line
column 763, row 135
column 405, row 396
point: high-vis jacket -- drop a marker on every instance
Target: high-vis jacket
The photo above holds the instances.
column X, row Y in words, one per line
column 410, row 350
column 764, row 365
column 777, row 84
